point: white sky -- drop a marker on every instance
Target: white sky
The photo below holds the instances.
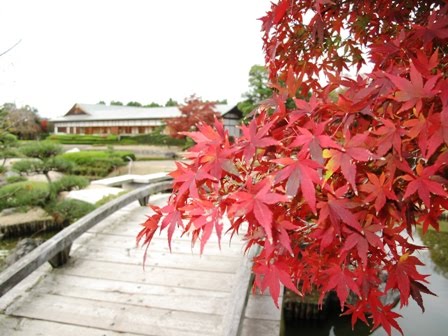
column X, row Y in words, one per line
column 134, row 50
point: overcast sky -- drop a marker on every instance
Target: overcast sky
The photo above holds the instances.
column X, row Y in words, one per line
column 134, row 50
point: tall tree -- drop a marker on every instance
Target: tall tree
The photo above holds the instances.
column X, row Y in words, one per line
column 134, row 104
column 171, row 102
column 194, row 111
column 259, row 89
column 332, row 189
column 153, row 105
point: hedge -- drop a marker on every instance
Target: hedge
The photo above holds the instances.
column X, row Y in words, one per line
column 75, row 139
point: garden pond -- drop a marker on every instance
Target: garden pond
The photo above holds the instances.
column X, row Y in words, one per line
column 434, row 322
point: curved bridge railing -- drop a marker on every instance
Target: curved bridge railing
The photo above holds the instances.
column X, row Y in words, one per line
column 56, row 250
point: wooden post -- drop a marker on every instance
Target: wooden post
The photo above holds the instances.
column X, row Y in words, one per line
column 61, row 258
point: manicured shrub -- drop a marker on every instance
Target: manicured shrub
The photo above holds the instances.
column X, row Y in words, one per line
column 23, row 194
column 15, row 179
column 70, row 182
column 41, row 149
column 70, row 210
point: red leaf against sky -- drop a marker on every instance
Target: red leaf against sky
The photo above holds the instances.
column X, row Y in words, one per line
column 280, row 10
column 423, row 183
column 301, row 174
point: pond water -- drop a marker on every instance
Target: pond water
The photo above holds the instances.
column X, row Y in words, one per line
column 7, row 245
column 434, row 322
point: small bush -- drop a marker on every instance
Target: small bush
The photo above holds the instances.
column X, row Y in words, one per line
column 27, row 166
column 41, row 149
column 15, row 179
column 70, row 182
column 23, row 194
column 70, row 210
column 109, row 198
column 2, row 169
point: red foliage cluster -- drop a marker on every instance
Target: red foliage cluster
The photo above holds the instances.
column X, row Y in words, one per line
column 332, row 189
column 192, row 112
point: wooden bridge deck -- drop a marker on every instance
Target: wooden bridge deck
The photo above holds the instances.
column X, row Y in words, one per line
column 103, row 289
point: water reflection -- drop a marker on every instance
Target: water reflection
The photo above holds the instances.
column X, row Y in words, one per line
column 434, row 322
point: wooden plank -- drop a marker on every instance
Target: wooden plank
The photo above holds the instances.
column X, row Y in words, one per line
column 172, row 277
column 12, row 326
column 25, row 266
column 220, row 264
column 118, row 317
column 232, row 321
column 181, row 246
column 255, row 327
column 156, row 296
column 262, row 307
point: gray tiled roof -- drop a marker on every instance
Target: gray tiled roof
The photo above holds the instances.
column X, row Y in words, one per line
column 113, row 112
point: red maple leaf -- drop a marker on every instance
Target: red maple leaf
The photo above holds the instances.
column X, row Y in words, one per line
column 423, row 184
column 338, row 211
column 438, row 131
column 412, row 91
column 270, row 273
column 172, row 219
column 354, row 150
column 390, row 137
column 341, row 280
column 313, row 139
column 301, row 174
column 256, row 200
column 362, row 240
column 254, row 138
column 205, row 216
column 187, row 176
column 402, row 273
column 379, row 190
column 150, row 227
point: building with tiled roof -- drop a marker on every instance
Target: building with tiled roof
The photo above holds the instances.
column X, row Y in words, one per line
column 129, row 120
